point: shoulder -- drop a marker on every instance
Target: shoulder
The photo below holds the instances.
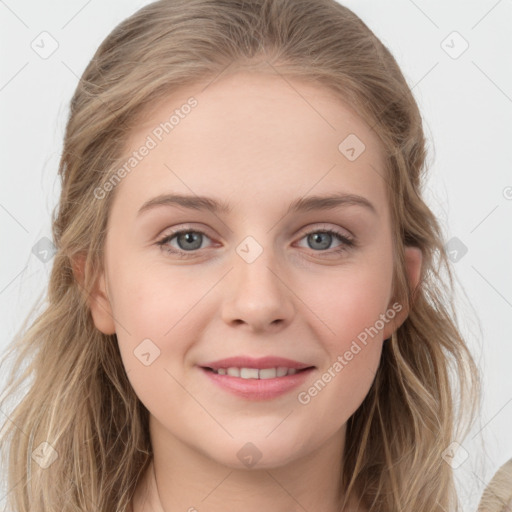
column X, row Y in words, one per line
column 497, row 496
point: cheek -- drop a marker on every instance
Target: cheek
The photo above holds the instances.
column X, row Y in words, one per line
column 151, row 316
column 351, row 335
column 339, row 390
column 350, row 304
column 348, row 301
column 154, row 314
column 150, row 302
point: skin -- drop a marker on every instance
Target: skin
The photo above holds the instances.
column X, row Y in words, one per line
column 257, row 143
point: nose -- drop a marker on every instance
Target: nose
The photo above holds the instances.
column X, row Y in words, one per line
column 259, row 298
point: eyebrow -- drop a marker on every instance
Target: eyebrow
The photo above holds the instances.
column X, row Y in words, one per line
column 303, row 204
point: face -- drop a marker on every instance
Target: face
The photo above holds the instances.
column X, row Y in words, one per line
column 260, row 277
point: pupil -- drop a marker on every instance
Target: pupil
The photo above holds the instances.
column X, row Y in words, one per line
column 190, row 237
column 318, row 237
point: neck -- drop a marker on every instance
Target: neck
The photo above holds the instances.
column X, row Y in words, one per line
column 181, row 478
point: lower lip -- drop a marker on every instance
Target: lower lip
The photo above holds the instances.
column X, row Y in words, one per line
column 258, row 389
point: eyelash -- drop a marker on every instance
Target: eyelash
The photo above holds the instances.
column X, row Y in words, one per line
column 347, row 242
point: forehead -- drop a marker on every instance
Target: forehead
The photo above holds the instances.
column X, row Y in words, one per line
column 254, row 136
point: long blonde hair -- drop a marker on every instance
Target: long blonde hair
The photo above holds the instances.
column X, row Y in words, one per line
column 78, row 439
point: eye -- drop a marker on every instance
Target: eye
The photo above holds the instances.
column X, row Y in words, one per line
column 189, row 241
column 321, row 239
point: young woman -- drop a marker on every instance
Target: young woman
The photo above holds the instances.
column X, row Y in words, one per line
column 246, row 308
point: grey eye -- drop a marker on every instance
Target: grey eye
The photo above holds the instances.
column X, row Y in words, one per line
column 189, row 240
column 320, row 239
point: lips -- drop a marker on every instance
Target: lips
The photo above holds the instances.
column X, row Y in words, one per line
column 267, row 388
column 259, row 363
column 256, row 373
column 263, row 378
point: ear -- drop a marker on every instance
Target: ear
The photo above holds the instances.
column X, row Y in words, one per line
column 413, row 260
column 98, row 300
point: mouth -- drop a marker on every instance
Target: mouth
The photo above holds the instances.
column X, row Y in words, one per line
column 257, row 384
column 257, row 373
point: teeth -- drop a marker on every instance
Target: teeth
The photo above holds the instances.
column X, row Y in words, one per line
column 267, row 373
column 234, row 372
column 256, row 373
column 249, row 373
column 282, row 371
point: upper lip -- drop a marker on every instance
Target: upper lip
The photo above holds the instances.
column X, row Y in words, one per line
column 251, row 362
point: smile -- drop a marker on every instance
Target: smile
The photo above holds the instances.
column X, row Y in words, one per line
column 256, row 373
column 257, row 383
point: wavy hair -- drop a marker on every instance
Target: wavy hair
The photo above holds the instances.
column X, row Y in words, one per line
column 78, row 438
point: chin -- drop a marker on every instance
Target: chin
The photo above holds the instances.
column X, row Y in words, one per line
column 254, row 455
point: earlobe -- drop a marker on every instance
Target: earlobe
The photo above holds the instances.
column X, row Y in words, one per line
column 98, row 301
column 101, row 309
column 413, row 263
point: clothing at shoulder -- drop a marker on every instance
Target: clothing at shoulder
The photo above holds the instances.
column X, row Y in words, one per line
column 497, row 496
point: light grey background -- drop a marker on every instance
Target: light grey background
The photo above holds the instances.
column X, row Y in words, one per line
column 466, row 101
